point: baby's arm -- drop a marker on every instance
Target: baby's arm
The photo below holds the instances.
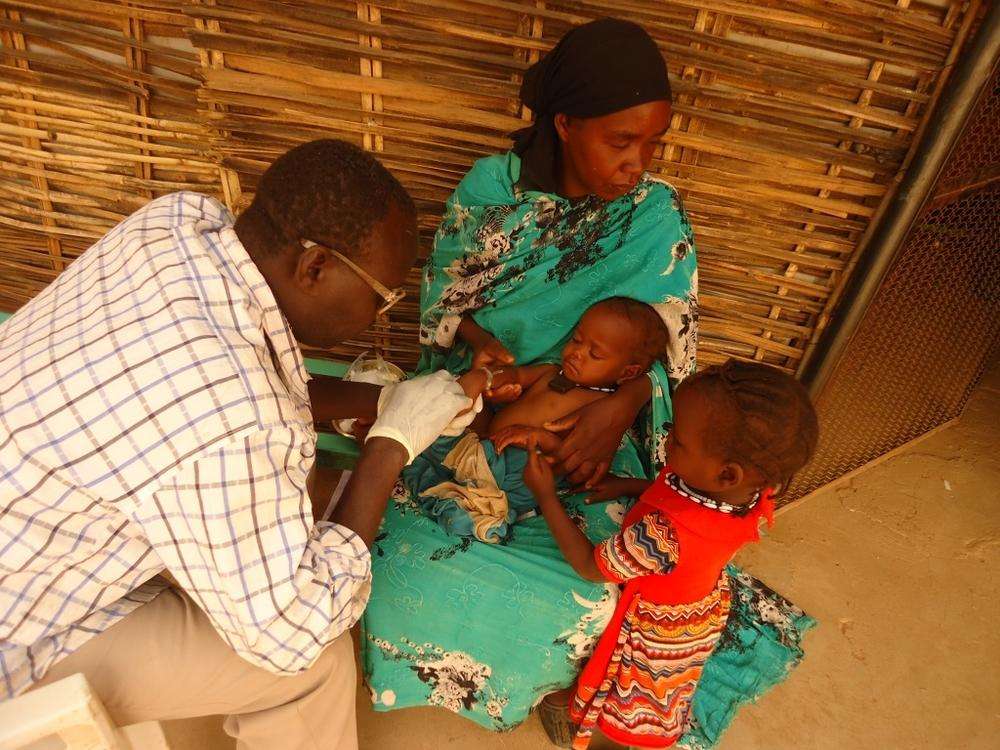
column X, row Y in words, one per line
column 524, row 377
column 511, row 382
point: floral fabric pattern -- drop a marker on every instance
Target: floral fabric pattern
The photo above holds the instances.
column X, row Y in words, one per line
column 515, row 259
column 481, row 630
column 499, row 626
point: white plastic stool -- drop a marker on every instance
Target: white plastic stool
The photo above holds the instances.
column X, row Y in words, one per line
column 67, row 715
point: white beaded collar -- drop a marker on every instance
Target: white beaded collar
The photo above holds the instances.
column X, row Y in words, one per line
column 678, row 485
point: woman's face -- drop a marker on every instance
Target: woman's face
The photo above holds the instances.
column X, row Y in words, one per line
column 605, row 156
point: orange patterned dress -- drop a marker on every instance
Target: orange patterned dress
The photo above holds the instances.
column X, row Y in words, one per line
column 669, row 557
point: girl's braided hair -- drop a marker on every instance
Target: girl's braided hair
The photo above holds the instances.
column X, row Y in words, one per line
column 761, row 418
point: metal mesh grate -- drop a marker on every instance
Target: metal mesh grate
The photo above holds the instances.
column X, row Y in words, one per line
column 934, row 323
column 976, row 157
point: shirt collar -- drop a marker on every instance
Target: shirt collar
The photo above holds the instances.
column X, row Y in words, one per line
column 285, row 350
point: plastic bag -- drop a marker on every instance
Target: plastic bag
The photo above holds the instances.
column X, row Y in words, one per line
column 374, row 370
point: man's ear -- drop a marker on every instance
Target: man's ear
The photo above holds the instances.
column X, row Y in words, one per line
column 730, row 475
column 562, row 123
column 631, row 372
column 311, row 264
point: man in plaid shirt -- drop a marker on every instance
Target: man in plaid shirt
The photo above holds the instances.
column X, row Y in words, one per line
column 156, row 436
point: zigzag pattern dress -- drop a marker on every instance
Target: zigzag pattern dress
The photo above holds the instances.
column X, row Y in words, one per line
column 669, row 556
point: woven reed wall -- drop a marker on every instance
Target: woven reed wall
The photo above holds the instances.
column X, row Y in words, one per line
column 791, row 121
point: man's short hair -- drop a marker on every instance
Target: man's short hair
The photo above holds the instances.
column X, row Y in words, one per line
column 327, row 191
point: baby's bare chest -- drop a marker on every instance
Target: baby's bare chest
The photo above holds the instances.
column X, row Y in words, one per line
column 541, row 405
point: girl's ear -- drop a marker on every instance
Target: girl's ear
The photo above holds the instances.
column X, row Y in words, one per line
column 561, row 122
column 730, row 475
column 631, row 372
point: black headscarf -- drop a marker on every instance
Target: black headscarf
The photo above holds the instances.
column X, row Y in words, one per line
column 601, row 67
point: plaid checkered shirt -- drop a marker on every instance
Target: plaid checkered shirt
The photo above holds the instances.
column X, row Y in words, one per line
column 154, row 417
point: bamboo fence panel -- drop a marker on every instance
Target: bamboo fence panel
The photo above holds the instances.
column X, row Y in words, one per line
column 792, row 122
column 98, row 114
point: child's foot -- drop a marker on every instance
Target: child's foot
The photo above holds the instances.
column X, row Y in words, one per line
column 554, row 714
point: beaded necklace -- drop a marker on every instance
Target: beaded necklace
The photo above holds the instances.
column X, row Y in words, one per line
column 561, row 384
column 678, row 485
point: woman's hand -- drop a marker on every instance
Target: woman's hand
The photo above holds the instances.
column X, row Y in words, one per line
column 538, row 476
column 612, row 488
column 521, row 436
column 603, row 491
column 486, row 350
column 594, row 433
column 492, row 354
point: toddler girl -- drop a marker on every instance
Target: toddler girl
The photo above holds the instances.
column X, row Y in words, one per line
column 740, row 431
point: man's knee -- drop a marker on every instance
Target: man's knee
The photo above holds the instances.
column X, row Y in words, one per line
column 334, row 668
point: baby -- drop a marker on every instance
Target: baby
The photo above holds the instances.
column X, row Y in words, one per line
column 615, row 341
column 475, row 487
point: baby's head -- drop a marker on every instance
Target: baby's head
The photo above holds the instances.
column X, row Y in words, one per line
column 741, row 427
column 616, row 340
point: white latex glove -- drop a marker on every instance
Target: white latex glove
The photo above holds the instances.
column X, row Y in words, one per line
column 415, row 412
column 462, row 421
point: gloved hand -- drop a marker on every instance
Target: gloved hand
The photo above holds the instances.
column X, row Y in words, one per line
column 472, row 383
column 415, row 412
column 462, row 421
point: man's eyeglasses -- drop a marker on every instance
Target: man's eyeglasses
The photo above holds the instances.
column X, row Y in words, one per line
column 391, row 296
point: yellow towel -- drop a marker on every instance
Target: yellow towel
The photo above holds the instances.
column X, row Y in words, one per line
column 474, row 489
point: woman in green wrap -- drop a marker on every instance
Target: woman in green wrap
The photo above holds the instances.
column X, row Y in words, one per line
column 530, row 239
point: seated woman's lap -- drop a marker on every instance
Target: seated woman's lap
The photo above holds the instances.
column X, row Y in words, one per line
column 487, row 630
column 483, row 630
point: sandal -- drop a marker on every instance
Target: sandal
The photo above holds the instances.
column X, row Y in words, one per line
column 556, row 722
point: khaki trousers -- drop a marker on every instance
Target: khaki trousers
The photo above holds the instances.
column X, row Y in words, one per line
column 165, row 661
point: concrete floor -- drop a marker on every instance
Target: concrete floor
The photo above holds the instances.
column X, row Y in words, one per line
column 901, row 566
